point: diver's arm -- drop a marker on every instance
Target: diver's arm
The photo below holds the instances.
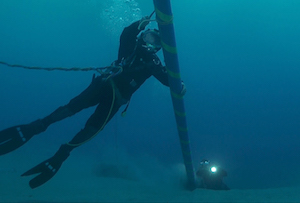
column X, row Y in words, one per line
column 161, row 75
column 158, row 70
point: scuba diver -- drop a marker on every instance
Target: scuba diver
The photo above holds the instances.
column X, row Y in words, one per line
column 211, row 177
column 137, row 61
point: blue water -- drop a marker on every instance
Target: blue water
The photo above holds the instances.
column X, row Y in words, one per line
column 239, row 60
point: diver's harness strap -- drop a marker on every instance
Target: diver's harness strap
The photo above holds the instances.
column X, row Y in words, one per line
column 124, row 62
column 111, row 71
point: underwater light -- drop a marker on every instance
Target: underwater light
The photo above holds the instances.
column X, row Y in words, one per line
column 213, row 169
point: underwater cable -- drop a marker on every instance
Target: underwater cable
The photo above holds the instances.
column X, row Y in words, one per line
column 111, row 71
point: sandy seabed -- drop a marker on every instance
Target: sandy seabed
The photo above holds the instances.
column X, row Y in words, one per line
column 118, row 190
column 76, row 182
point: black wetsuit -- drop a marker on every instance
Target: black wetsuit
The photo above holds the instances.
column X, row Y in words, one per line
column 108, row 93
column 210, row 180
column 138, row 65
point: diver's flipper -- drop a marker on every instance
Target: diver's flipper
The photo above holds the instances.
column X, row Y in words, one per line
column 48, row 168
column 11, row 139
column 46, row 172
column 14, row 137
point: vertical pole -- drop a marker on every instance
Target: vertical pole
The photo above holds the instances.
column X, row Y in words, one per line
column 164, row 18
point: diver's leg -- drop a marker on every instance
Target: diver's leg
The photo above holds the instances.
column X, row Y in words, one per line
column 14, row 137
column 95, row 123
column 91, row 96
column 47, row 169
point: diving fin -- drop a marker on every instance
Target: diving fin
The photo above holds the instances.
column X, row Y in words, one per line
column 14, row 137
column 47, row 169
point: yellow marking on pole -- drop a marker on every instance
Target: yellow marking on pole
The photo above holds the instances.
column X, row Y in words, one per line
column 184, row 142
column 165, row 18
column 183, row 129
column 178, row 113
column 168, row 48
column 173, row 74
column 177, row 96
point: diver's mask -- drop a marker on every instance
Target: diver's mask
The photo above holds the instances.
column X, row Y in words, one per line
column 204, row 163
column 151, row 40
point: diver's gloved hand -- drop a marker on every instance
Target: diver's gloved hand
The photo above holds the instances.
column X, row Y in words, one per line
column 183, row 90
column 144, row 22
column 48, row 168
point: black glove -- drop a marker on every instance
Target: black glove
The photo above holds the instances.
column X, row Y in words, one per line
column 48, row 168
